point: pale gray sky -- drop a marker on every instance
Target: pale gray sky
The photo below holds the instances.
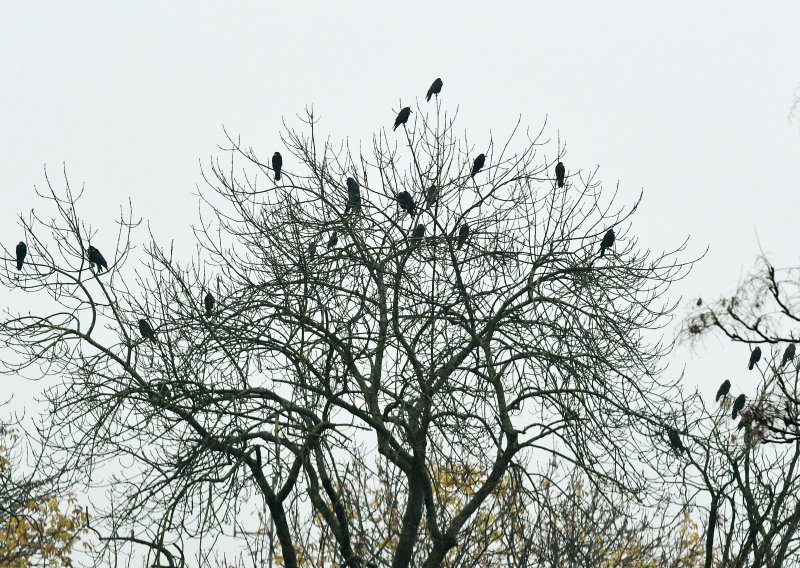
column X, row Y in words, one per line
column 688, row 102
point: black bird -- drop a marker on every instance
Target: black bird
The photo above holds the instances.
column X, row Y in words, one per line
column 402, row 117
column 277, row 164
column 755, row 357
column 788, row 355
column 96, row 258
column 560, row 171
column 463, row 235
column 418, row 233
column 478, row 164
column 607, row 242
column 407, row 203
column 724, row 389
column 738, row 405
column 22, row 250
column 208, row 301
column 333, row 240
column 435, row 89
column 741, row 424
column 163, row 390
column 146, row 331
column 675, row 440
column 353, row 195
column 431, row 195
column 312, row 250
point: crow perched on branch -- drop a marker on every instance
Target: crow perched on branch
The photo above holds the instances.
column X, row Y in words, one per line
column 724, row 389
column 353, row 195
column 277, row 164
column 402, row 117
column 418, row 233
column 146, row 330
column 95, row 257
column 22, row 250
column 435, row 89
column 755, row 357
column 607, row 242
column 477, row 165
column 788, row 355
column 407, row 203
column 738, row 405
column 675, row 441
column 431, row 195
column 208, row 301
column 333, row 240
column 560, row 172
column 463, row 235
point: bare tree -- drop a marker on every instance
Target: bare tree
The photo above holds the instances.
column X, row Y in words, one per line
column 748, row 467
column 492, row 335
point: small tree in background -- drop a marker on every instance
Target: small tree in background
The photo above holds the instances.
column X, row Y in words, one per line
column 457, row 339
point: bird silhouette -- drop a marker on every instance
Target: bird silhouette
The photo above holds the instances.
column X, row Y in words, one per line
column 560, row 171
column 333, row 240
column 22, row 250
column 463, row 235
column 675, row 441
column 607, row 242
column 788, row 355
column 723, row 390
column 163, row 391
column 146, row 330
column 353, row 195
column 277, row 164
column 407, row 203
column 402, row 117
column 431, row 195
column 435, row 89
column 755, row 357
column 208, row 301
column 95, row 257
column 738, row 405
column 477, row 165
column 418, row 233
column 312, row 250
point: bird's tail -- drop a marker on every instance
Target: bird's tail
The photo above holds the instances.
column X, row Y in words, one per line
column 395, row 127
column 428, row 98
column 19, row 265
column 602, row 251
column 749, row 368
column 277, row 175
column 561, row 184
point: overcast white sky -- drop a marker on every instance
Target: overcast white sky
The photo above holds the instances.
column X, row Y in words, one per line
column 689, row 103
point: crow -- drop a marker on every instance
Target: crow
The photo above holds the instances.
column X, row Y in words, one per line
column 277, row 164
column 163, row 390
column 333, row 240
column 755, row 357
column 463, row 235
column 675, row 441
column 208, row 301
column 431, row 195
column 788, row 355
column 22, row 250
column 407, row 203
column 402, row 117
column 312, row 250
column 353, row 195
column 95, row 257
column 146, row 331
column 607, row 242
column 418, row 233
column 478, row 164
column 738, row 405
column 560, row 171
column 435, row 89
column 724, row 389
